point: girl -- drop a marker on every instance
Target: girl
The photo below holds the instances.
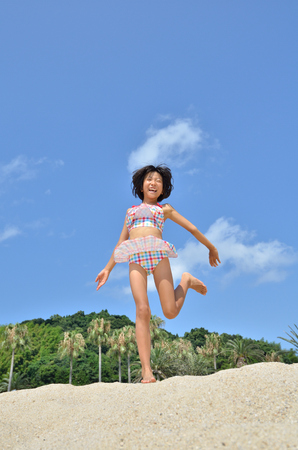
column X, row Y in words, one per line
column 141, row 244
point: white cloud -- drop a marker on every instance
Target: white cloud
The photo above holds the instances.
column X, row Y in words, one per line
column 17, row 169
column 240, row 254
column 126, row 290
column 192, row 172
column 59, row 163
column 22, row 201
column 37, row 224
column 119, row 272
column 174, row 145
column 67, row 235
column 9, row 232
column 22, row 168
column 55, row 163
column 266, row 261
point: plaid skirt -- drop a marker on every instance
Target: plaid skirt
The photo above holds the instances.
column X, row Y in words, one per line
column 146, row 251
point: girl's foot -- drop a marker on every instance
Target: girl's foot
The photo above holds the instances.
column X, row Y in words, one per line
column 152, row 380
column 148, row 377
column 196, row 284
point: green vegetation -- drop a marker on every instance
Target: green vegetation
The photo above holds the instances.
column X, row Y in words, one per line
column 72, row 345
column 118, row 347
column 99, row 346
column 294, row 338
column 15, row 338
column 99, row 334
column 130, row 345
column 18, row 381
column 211, row 348
column 241, row 352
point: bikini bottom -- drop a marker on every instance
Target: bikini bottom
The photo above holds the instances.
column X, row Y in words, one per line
column 148, row 260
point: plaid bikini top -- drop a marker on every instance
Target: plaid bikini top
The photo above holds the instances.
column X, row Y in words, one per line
column 145, row 215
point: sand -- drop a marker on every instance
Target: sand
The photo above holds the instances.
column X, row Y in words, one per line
column 254, row 407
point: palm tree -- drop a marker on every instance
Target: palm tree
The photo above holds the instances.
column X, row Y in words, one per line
column 212, row 347
column 19, row 381
column 179, row 351
column 72, row 345
column 130, row 342
column 293, row 339
column 274, row 356
column 194, row 364
column 156, row 323
column 99, row 334
column 185, row 361
column 163, row 360
column 161, row 363
column 169, row 359
column 118, row 346
column 242, row 352
column 182, row 347
column 15, row 338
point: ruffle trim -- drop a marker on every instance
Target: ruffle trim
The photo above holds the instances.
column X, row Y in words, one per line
column 143, row 244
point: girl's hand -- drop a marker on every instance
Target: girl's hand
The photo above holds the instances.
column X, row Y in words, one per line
column 102, row 278
column 213, row 257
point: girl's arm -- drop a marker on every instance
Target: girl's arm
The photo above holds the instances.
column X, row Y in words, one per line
column 171, row 213
column 103, row 276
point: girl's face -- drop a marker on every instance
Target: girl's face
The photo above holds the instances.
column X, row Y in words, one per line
column 152, row 186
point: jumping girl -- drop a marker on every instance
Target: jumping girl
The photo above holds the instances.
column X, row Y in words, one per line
column 141, row 244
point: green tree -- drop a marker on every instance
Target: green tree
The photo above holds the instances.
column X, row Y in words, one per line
column 194, row 364
column 118, row 346
column 15, row 338
column 176, row 358
column 179, row 351
column 18, row 381
column 131, row 347
column 242, row 352
column 184, row 359
column 274, row 356
column 212, row 347
column 99, row 334
column 72, row 345
column 156, row 324
column 196, row 336
column 161, row 361
column 293, row 339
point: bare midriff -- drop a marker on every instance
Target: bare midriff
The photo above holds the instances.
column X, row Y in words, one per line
column 145, row 231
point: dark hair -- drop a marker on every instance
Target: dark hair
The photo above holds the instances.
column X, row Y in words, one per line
column 138, row 177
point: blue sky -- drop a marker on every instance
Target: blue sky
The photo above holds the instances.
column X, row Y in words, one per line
column 90, row 91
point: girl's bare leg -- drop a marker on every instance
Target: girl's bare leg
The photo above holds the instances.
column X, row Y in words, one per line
column 172, row 300
column 138, row 283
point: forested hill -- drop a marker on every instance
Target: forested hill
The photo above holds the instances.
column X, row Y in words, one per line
column 81, row 321
column 40, row 363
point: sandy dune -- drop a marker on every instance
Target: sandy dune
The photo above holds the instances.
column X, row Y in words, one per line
column 254, row 407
